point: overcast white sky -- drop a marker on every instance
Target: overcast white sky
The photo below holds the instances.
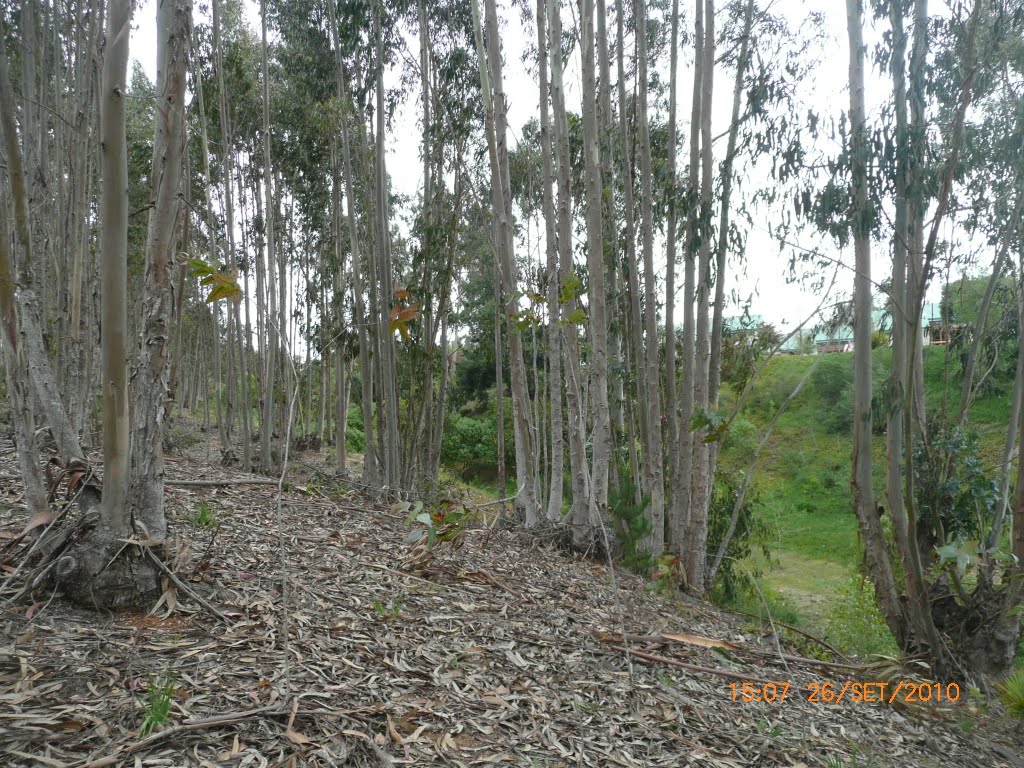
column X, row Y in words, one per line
column 826, row 92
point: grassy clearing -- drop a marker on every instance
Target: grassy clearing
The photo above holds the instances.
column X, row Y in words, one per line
column 803, row 485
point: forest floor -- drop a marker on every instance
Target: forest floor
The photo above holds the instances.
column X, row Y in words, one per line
column 324, row 643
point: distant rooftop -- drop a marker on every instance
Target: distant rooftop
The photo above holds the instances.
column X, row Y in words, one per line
column 738, row 323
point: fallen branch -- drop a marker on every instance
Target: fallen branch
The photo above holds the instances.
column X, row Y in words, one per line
column 184, row 587
column 692, row 667
column 228, row 718
column 799, row 631
column 218, row 483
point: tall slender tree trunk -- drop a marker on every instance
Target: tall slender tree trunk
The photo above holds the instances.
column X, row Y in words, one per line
column 286, row 349
column 916, row 211
column 1013, row 426
column 596, row 296
column 863, row 496
column 902, row 325
column 634, row 322
column 700, row 491
column 722, row 247
column 578, row 467
column 683, row 491
column 16, row 364
column 270, row 363
column 528, row 495
column 389, row 371
column 146, row 495
column 116, row 517
column 606, row 131
column 499, row 388
column 236, row 335
column 654, row 481
column 554, row 333
column 671, row 405
column 360, row 319
column 1018, row 506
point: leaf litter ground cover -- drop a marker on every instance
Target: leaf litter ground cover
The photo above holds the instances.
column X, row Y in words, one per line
column 333, row 647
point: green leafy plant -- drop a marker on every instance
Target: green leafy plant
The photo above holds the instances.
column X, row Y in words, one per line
column 223, row 283
column 383, row 610
column 631, row 522
column 953, row 485
column 446, row 522
column 159, row 697
column 751, row 533
column 668, row 572
column 204, row 516
column 1012, row 693
column 855, row 623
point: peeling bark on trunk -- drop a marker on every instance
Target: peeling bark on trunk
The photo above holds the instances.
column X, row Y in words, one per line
column 116, row 518
column 146, row 495
column 682, row 492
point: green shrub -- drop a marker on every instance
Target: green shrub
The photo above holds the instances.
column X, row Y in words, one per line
column 355, row 439
column 159, row 697
column 952, row 482
column 855, row 624
column 831, row 379
column 740, row 443
column 204, row 516
column 470, row 444
column 751, row 533
column 839, row 416
column 1012, row 693
column 631, row 524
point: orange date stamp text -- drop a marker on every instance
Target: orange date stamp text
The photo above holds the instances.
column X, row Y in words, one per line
column 830, row 692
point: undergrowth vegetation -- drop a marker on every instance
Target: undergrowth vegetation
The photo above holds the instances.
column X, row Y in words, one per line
column 795, row 537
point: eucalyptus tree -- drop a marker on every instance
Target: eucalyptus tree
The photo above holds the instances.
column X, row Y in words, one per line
column 553, row 510
column 581, row 515
column 673, row 529
column 653, row 445
column 98, row 569
column 682, row 495
column 274, row 330
column 702, row 483
column 492, row 87
column 150, row 379
column 923, row 595
column 597, row 299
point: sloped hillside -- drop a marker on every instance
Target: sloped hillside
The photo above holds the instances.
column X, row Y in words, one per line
column 323, row 643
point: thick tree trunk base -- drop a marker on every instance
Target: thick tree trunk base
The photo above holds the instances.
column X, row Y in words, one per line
column 981, row 637
column 107, row 575
column 92, row 568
